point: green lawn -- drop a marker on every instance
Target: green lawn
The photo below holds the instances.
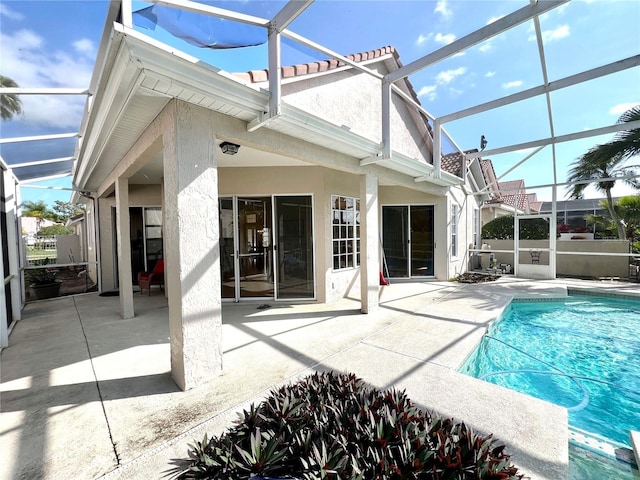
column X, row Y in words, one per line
column 36, row 253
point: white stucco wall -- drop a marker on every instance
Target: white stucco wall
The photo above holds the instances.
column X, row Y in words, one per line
column 354, row 99
column 583, row 266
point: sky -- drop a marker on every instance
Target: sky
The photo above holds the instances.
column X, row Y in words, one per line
column 54, row 43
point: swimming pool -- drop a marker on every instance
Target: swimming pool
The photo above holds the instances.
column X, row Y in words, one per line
column 582, row 352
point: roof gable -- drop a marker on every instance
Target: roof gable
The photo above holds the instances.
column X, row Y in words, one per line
column 351, row 98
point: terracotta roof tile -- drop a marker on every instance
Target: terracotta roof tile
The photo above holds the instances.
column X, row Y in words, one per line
column 452, row 163
column 258, row 76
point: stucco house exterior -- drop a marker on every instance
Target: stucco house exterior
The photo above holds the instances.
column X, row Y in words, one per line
column 244, row 201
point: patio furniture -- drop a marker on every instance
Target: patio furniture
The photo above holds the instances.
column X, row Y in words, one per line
column 535, row 257
column 154, row 277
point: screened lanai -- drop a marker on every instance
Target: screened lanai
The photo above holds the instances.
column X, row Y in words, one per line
column 460, row 83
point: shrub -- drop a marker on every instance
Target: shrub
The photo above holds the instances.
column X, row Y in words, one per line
column 54, row 230
column 335, row 426
column 501, row 228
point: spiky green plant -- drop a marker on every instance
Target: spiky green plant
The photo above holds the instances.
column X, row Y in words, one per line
column 335, row 426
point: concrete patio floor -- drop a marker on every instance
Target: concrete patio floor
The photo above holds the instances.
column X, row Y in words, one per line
column 85, row 394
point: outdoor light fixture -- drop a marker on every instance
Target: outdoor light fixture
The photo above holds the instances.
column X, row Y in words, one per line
column 229, row 148
column 483, row 142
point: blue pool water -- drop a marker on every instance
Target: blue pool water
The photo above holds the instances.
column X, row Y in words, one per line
column 582, row 353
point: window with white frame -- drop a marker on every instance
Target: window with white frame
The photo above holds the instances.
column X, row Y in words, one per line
column 345, row 213
column 454, row 230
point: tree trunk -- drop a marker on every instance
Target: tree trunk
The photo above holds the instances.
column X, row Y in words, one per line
column 622, row 234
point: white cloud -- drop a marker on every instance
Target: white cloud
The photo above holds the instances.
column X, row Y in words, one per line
column 26, row 60
column 489, row 74
column 444, row 39
column 619, row 109
column 7, row 12
column 26, row 39
column 550, row 35
column 485, row 47
column 447, row 76
column 428, row 91
column 443, row 9
column 514, row 84
column 443, row 78
column 85, row 47
column 422, row 39
column 494, row 19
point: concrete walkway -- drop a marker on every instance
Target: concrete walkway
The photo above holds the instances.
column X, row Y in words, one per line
column 86, row 394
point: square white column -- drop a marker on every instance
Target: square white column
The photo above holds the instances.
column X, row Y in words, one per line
column 11, row 202
column 369, row 243
column 192, row 255
column 123, row 236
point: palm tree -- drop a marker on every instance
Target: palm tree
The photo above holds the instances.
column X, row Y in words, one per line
column 603, row 163
column 628, row 210
column 10, row 103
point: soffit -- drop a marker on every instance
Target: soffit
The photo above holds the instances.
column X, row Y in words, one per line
column 144, row 76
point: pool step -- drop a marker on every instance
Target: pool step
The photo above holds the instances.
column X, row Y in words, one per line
column 606, row 447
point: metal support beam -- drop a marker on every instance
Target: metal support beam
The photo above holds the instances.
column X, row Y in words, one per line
column 386, row 120
column 42, row 179
column 127, row 13
column 41, row 162
column 501, row 25
column 275, row 73
column 34, row 138
column 437, row 149
column 315, row 46
column 411, row 101
column 283, row 18
column 288, row 14
column 569, row 81
column 560, row 139
column 43, row 91
column 495, row 184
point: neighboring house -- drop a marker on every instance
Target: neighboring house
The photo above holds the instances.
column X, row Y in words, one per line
column 295, row 204
column 31, row 226
column 573, row 213
column 478, row 185
column 507, row 198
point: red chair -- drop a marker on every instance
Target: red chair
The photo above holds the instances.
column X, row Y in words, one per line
column 155, row 277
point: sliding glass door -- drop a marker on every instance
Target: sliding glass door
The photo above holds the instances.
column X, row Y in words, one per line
column 421, row 236
column 294, row 249
column 263, row 255
column 408, row 240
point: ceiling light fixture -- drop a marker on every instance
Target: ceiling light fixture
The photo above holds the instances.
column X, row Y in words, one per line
column 229, row 148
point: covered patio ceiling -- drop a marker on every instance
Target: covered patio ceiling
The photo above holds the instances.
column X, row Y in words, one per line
column 29, row 168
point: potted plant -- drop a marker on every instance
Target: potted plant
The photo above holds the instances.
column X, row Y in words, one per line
column 43, row 283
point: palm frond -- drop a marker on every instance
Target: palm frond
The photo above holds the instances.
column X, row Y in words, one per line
column 10, row 103
column 630, row 115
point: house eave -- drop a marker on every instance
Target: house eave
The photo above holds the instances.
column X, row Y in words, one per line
column 137, row 65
